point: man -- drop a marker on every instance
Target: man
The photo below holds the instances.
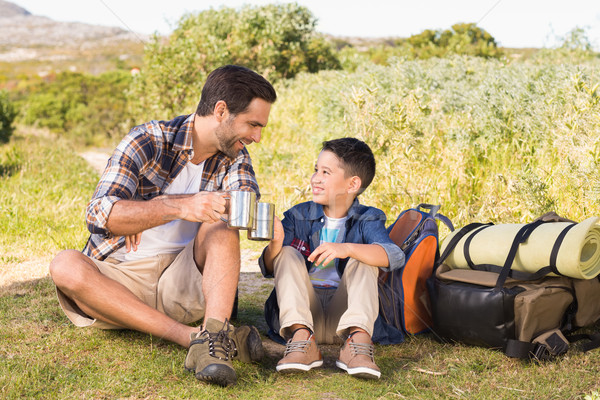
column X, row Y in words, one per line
column 159, row 257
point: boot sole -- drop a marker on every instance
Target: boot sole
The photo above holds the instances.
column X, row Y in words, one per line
column 218, row 374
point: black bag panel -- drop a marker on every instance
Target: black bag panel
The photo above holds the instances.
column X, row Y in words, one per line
column 472, row 314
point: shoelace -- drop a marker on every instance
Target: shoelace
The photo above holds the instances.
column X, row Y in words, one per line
column 218, row 343
column 362, row 349
column 299, row 345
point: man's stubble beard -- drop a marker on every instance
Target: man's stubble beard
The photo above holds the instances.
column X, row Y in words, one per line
column 227, row 139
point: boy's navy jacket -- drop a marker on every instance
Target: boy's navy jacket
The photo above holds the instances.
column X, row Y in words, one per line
column 302, row 225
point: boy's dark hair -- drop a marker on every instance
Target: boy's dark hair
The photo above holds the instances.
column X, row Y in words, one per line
column 235, row 85
column 356, row 156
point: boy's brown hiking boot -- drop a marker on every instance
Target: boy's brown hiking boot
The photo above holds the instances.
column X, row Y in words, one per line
column 212, row 350
column 300, row 355
column 357, row 356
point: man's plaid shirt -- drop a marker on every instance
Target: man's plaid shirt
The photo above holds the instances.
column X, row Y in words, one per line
column 142, row 167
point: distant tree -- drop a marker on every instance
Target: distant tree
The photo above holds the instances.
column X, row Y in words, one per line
column 278, row 41
column 8, row 113
column 463, row 38
column 577, row 39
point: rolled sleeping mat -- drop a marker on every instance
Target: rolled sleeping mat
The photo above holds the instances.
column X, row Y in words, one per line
column 578, row 255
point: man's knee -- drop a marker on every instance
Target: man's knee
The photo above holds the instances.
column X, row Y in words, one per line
column 68, row 269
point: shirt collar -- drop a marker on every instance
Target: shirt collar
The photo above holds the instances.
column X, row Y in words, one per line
column 183, row 137
column 315, row 211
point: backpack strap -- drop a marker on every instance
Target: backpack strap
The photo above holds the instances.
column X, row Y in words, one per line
column 433, row 211
column 458, row 236
column 520, row 237
column 544, row 347
column 505, row 270
column 594, row 340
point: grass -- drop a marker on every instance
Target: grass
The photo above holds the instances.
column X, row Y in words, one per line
column 43, row 188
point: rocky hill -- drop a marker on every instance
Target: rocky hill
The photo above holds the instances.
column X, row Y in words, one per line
column 19, row 28
column 37, row 44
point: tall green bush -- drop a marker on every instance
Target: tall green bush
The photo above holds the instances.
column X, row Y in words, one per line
column 8, row 112
column 277, row 41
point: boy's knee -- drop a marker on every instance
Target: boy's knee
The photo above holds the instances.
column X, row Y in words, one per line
column 289, row 252
column 289, row 256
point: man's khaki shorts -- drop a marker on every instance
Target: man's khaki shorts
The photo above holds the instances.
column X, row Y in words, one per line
column 170, row 283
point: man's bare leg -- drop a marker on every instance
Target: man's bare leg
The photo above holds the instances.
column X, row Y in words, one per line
column 105, row 299
column 217, row 255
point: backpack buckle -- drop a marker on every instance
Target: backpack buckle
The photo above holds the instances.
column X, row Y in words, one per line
column 541, row 352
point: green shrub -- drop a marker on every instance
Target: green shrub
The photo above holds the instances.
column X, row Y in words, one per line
column 277, row 41
column 80, row 106
column 8, row 113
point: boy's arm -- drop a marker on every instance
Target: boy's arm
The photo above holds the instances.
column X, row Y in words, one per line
column 274, row 247
column 370, row 254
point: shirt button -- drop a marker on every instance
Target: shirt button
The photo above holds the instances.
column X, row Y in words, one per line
column 303, row 248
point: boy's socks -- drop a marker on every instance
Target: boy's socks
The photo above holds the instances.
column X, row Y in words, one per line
column 357, row 356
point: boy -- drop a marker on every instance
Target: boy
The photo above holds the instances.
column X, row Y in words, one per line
column 325, row 256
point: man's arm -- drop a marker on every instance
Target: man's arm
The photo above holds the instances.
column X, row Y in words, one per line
column 128, row 217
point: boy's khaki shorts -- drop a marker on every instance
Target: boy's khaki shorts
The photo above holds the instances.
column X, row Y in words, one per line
column 170, row 283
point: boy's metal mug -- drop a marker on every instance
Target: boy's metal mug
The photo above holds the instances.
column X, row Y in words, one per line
column 264, row 220
column 242, row 209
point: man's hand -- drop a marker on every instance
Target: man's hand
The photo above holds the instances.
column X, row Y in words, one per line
column 327, row 252
column 200, row 207
column 132, row 242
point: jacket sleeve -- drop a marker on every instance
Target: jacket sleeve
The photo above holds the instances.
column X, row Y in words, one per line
column 374, row 232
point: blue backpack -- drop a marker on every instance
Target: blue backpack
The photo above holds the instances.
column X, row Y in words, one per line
column 403, row 296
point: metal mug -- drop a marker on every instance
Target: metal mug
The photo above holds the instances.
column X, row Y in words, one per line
column 265, row 218
column 242, row 208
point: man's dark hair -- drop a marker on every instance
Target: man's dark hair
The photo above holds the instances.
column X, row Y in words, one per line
column 356, row 156
column 237, row 86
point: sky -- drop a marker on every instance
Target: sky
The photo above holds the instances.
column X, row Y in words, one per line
column 513, row 23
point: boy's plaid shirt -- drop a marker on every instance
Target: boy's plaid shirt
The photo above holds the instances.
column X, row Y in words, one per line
column 142, row 167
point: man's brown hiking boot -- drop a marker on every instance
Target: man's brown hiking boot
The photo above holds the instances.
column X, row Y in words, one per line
column 212, row 350
column 357, row 356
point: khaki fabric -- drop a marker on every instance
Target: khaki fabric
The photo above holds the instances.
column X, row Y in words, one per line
column 588, row 301
column 329, row 313
column 170, row 283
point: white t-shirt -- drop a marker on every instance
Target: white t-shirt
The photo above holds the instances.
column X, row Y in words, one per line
column 173, row 236
column 326, row 276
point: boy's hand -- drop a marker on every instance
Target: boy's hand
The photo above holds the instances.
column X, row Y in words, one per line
column 278, row 232
column 327, row 252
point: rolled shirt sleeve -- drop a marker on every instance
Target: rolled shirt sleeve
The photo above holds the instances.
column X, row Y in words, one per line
column 119, row 180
